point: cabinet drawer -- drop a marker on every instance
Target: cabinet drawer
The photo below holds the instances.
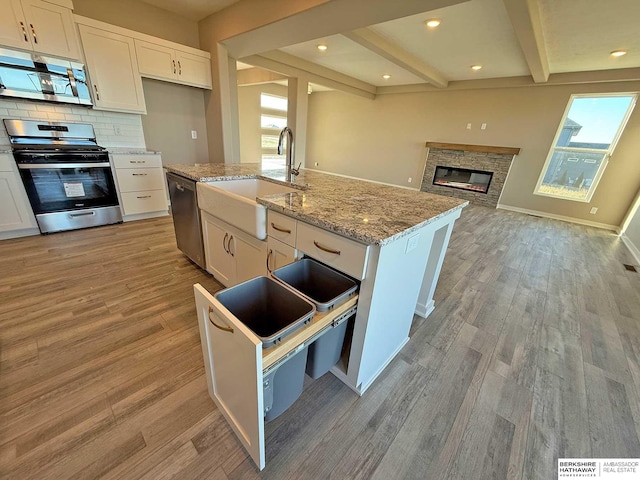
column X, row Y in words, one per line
column 137, row 179
column 343, row 254
column 143, row 202
column 282, row 228
column 137, row 161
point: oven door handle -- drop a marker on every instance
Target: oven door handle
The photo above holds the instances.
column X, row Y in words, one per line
column 32, row 166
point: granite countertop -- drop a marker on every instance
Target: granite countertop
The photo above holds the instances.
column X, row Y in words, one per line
column 371, row 213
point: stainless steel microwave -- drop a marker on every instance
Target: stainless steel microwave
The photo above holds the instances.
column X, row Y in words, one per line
column 32, row 76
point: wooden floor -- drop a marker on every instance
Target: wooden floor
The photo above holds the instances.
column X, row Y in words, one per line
column 533, row 352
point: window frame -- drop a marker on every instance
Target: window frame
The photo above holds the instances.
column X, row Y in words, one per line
column 275, row 113
column 607, row 153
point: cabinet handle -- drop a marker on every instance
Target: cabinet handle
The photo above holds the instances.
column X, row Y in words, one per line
column 326, row 249
column 224, row 242
column 149, row 196
column 179, row 68
column 174, row 66
column 180, row 187
column 221, row 327
column 268, row 258
column 233, row 254
column 280, row 229
column 95, row 87
column 139, row 174
column 33, row 32
column 24, row 32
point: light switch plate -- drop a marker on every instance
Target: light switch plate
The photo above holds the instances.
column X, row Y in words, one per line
column 194, row 134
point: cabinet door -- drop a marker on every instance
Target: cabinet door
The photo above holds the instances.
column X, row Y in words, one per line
column 113, row 67
column 216, row 251
column 13, row 26
column 193, row 69
column 15, row 213
column 233, row 367
column 51, row 29
column 156, row 61
column 250, row 255
column 279, row 254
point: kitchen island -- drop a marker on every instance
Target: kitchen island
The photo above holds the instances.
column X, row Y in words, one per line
column 404, row 235
column 390, row 239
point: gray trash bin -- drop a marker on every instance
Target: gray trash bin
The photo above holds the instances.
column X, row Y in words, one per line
column 272, row 312
column 325, row 288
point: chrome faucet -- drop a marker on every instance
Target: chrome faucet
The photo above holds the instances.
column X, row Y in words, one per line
column 293, row 172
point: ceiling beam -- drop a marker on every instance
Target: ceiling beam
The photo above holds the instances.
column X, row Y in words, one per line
column 527, row 25
column 257, row 76
column 573, row 78
column 292, row 66
column 395, row 54
column 255, row 26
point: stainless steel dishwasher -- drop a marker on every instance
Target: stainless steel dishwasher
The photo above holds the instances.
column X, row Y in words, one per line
column 186, row 217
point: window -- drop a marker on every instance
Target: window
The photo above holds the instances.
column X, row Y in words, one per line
column 586, row 138
column 273, row 118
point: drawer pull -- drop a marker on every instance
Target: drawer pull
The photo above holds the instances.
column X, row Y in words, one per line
column 229, row 246
column 144, row 196
column 224, row 242
column 279, row 229
column 139, row 174
column 269, row 258
column 326, row 249
column 221, row 327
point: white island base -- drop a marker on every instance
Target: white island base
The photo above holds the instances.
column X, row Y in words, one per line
column 398, row 280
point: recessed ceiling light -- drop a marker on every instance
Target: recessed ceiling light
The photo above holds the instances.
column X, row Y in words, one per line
column 322, row 47
column 386, row 76
column 432, row 23
column 476, row 67
column 618, row 53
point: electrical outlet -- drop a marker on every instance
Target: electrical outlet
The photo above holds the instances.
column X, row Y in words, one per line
column 410, row 180
column 412, row 243
column 194, row 134
column 483, row 126
column 117, row 130
column 468, row 126
column 593, row 210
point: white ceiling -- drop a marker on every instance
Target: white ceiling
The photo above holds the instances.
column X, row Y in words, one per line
column 193, row 9
column 578, row 36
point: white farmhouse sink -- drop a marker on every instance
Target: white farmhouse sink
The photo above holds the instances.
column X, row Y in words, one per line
column 234, row 201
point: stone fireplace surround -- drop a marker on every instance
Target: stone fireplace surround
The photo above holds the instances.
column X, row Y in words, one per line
column 474, row 157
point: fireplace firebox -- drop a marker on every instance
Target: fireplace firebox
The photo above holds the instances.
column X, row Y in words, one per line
column 462, row 178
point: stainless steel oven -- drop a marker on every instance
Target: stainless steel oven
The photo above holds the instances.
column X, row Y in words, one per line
column 67, row 176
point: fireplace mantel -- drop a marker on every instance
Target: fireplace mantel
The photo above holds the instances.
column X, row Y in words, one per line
column 475, row 148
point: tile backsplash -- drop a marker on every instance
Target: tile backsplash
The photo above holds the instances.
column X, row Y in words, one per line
column 112, row 129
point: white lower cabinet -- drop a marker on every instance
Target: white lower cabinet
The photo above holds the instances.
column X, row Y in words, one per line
column 238, row 367
column 141, row 185
column 231, row 255
column 279, row 254
column 16, row 213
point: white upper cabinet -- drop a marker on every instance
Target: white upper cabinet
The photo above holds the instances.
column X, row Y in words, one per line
column 37, row 25
column 113, row 68
column 163, row 62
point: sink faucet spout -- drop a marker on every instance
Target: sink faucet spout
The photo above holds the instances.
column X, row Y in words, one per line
column 293, row 172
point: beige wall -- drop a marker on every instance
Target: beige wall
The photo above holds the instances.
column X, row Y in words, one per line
column 249, row 114
column 384, row 139
column 173, row 111
column 141, row 17
column 633, row 227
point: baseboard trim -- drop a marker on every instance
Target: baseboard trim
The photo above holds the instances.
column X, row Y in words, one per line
column 632, row 248
column 605, row 226
column 425, row 310
column 26, row 232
